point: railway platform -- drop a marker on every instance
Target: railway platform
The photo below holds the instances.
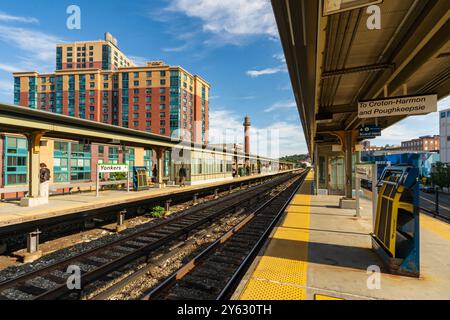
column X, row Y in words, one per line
column 11, row 213
column 319, row 251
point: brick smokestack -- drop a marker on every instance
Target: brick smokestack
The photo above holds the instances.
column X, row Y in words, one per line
column 247, row 136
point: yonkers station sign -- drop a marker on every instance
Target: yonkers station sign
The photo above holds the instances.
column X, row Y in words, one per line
column 399, row 106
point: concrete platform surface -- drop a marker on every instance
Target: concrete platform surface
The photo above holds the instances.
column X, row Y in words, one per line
column 12, row 213
column 320, row 251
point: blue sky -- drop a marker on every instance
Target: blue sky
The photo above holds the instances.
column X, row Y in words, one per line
column 231, row 43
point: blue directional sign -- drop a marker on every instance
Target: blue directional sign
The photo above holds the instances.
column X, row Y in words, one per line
column 369, row 131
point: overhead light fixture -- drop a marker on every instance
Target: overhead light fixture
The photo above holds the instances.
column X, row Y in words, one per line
column 336, row 6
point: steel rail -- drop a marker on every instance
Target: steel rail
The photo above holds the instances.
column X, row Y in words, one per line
column 139, row 252
column 196, row 261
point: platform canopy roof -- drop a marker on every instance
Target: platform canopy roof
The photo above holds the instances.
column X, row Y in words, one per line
column 335, row 60
column 23, row 120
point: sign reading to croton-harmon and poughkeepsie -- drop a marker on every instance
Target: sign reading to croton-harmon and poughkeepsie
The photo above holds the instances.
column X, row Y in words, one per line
column 399, row 106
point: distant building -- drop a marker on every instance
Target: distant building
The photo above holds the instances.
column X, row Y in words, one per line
column 444, row 130
column 425, row 143
column 94, row 80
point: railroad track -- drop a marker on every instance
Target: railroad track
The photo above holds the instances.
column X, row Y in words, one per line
column 50, row 282
column 215, row 272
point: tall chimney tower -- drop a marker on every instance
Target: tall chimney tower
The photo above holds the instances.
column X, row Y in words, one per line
column 247, row 136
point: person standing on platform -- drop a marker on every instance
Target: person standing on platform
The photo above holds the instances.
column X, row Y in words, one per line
column 182, row 174
column 154, row 174
column 44, row 179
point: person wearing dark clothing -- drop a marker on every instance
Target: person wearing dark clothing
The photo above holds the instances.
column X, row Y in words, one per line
column 182, row 174
column 44, row 179
column 44, row 173
column 155, row 173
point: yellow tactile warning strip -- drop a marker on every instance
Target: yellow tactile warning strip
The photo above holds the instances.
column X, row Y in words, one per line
column 440, row 228
column 281, row 273
column 324, row 297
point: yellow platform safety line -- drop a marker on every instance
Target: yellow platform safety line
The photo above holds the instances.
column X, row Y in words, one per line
column 324, row 297
column 435, row 226
column 281, row 274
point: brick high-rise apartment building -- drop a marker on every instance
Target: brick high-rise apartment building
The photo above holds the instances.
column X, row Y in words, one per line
column 94, row 80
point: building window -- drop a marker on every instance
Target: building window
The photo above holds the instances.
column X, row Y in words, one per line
column 442, row 115
column 16, row 90
column 101, row 151
column 16, row 160
column 163, row 82
column 162, row 131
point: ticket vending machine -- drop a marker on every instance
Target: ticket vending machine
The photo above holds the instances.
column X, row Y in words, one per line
column 140, row 178
column 396, row 231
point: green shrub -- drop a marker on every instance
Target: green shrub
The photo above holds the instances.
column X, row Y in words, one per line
column 158, row 212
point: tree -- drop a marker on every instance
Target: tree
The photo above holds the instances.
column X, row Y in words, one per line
column 296, row 159
column 440, row 175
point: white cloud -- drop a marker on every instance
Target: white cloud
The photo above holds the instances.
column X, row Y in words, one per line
column 258, row 73
column 280, row 57
column 282, row 105
column 279, row 139
column 40, row 45
column 9, row 67
column 176, row 49
column 10, row 18
column 6, row 90
column 282, row 68
column 230, row 19
column 138, row 60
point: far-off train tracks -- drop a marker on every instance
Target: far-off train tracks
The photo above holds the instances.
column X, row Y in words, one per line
column 100, row 263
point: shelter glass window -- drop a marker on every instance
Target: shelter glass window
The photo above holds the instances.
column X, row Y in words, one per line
column 166, row 163
column 148, row 160
column 130, row 158
column 16, row 160
column 80, row 162
column 61, row 158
